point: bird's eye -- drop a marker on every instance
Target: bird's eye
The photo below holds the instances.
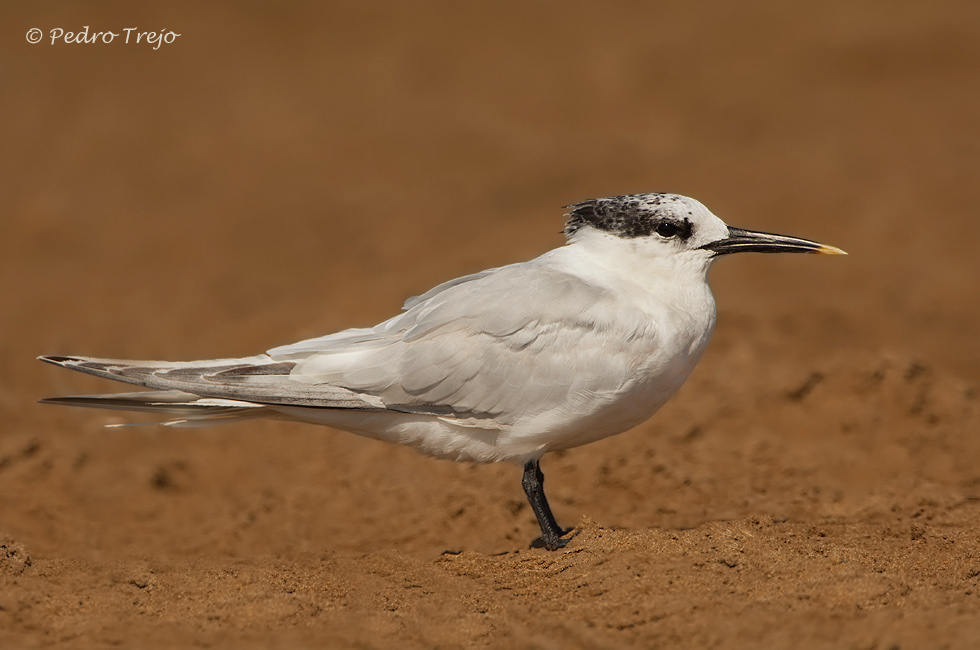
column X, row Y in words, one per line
column 667, row 229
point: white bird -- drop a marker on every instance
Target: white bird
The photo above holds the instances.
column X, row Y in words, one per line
column 581, row 343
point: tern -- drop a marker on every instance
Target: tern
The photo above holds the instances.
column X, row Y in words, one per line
column 584, row 342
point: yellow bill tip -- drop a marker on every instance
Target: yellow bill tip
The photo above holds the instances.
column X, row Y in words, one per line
column 830, row 250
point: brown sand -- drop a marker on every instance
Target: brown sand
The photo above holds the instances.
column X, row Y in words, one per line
column 285, row 172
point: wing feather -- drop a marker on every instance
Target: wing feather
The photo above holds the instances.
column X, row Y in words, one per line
column 502, row 345
column 488, row 350
column 252, row 379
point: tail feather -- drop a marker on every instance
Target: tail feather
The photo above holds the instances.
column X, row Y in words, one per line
column 179, row 408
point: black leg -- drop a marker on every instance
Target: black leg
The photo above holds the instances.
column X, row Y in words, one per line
column 533, row 483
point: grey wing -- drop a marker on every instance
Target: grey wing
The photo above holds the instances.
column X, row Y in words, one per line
column 256, row 379
column 263, row 379
column 486, row 350
column 361, row 336
column 508, row 344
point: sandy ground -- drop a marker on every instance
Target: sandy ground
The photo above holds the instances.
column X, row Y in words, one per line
column 280, row 173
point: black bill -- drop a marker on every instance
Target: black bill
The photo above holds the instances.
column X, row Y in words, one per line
column 748, row 241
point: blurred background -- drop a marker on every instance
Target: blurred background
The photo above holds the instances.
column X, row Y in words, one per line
column 285, row 170
column 282, row 171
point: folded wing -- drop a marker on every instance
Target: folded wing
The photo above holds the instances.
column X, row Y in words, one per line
column 497, row 347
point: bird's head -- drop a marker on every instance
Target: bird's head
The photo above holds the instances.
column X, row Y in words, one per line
column 670, row 225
